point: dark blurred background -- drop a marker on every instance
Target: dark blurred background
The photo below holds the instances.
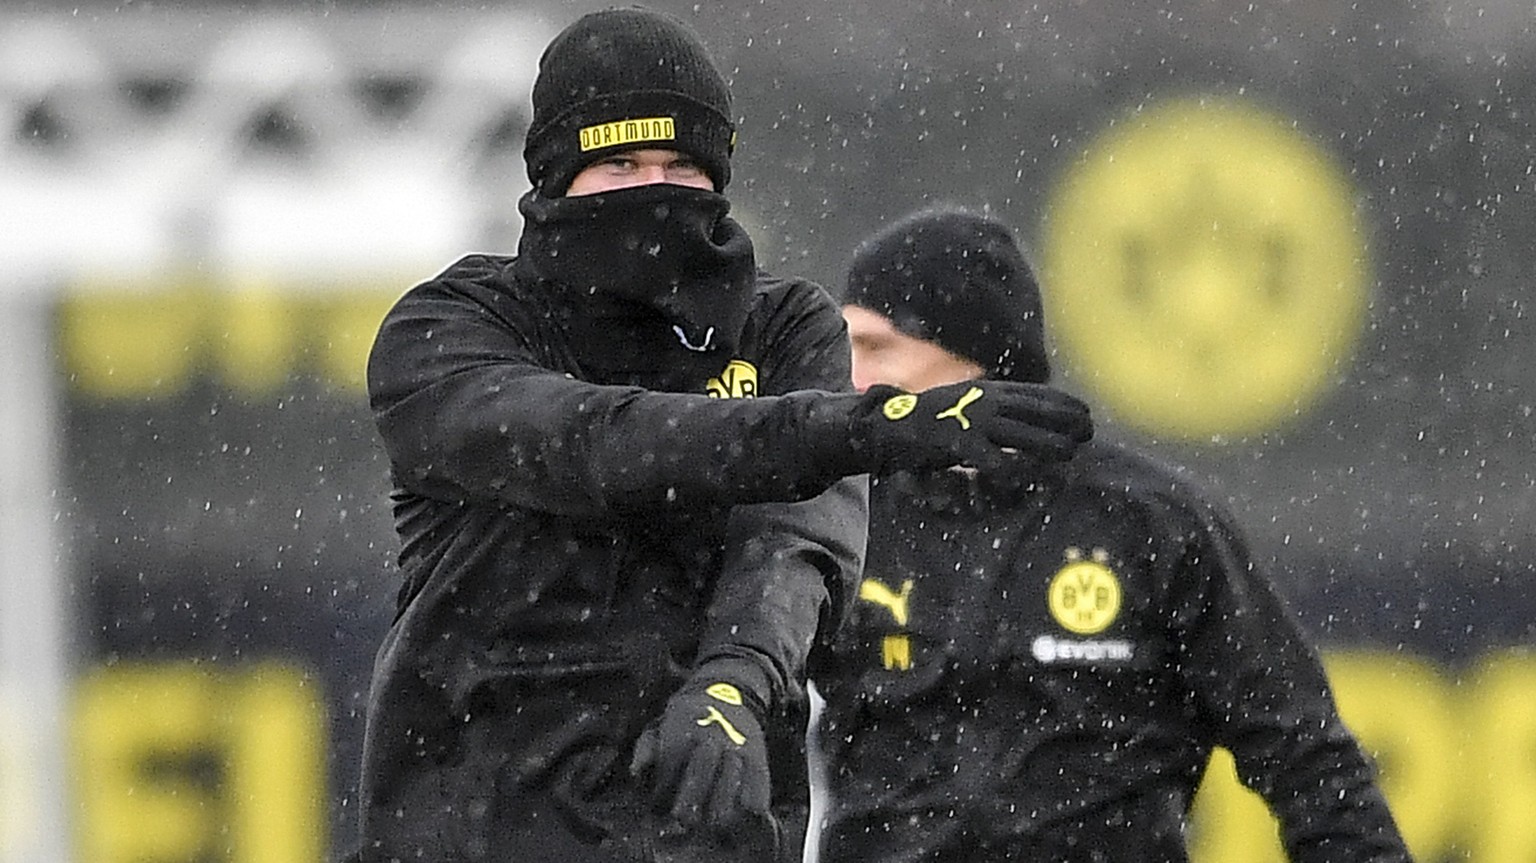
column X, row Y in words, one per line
column 207, row 207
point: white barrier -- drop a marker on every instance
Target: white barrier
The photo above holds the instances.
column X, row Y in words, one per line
column 283, row 144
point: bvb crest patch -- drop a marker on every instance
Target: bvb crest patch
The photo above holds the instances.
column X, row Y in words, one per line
column 1084, row 595
column 738, row 380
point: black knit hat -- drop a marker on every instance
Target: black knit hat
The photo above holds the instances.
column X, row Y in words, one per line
column 959, row 280
column 625, row 79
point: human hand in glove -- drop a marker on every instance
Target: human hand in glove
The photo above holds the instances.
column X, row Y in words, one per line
column 706, row 758
column 977, row 423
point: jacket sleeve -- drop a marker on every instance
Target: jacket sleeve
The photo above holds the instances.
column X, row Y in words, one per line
column 791, row 570
column 467, row 413
column 1263, row 690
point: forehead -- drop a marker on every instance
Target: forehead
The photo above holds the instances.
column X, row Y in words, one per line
column 659, row 155
column 863, row 323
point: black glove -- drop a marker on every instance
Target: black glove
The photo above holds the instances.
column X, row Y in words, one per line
column 979, row 423
column 706, row 758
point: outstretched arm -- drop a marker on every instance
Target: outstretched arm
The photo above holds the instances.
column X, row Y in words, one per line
column 469, row 411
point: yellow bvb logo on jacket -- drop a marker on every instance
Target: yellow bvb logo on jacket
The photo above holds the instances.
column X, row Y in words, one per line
column 1084, row 595
column 738, row 380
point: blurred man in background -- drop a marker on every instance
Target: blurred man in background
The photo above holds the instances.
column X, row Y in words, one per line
column 1044, row 655
column 628, row 490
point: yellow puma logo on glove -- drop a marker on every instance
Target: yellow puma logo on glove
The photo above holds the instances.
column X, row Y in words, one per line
column 958, row 411
column 715, row 717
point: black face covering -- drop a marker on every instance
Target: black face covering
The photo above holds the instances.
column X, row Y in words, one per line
column 664, row 247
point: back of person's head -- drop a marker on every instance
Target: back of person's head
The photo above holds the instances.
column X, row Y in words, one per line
column 959, row 280
column 626, row 79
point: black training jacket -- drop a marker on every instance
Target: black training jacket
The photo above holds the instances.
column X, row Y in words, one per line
column 1039, row 673
column 586, row 508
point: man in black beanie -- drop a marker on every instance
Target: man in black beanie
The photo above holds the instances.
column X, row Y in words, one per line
column 1044, row 655
column 956, row 280
column 629, row 487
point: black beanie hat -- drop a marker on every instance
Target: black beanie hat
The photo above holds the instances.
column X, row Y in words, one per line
column 626, row 79
column 958, row 280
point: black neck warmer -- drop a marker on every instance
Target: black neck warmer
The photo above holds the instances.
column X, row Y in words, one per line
column 662, row 247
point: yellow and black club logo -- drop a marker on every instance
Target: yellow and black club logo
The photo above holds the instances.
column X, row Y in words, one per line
column 737, row 381
column 1084, row 595
column 898, row 407
column 1205, row 271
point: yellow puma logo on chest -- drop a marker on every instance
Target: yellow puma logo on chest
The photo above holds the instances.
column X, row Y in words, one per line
column 873, row 590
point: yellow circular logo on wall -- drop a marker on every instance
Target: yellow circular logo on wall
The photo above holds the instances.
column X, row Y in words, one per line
column 1205, row 273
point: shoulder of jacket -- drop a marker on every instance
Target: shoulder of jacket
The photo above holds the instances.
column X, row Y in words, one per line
column 478, row 285
column 788, row 299
column 483, row 279
column 1116, row 471
column 478, row 268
